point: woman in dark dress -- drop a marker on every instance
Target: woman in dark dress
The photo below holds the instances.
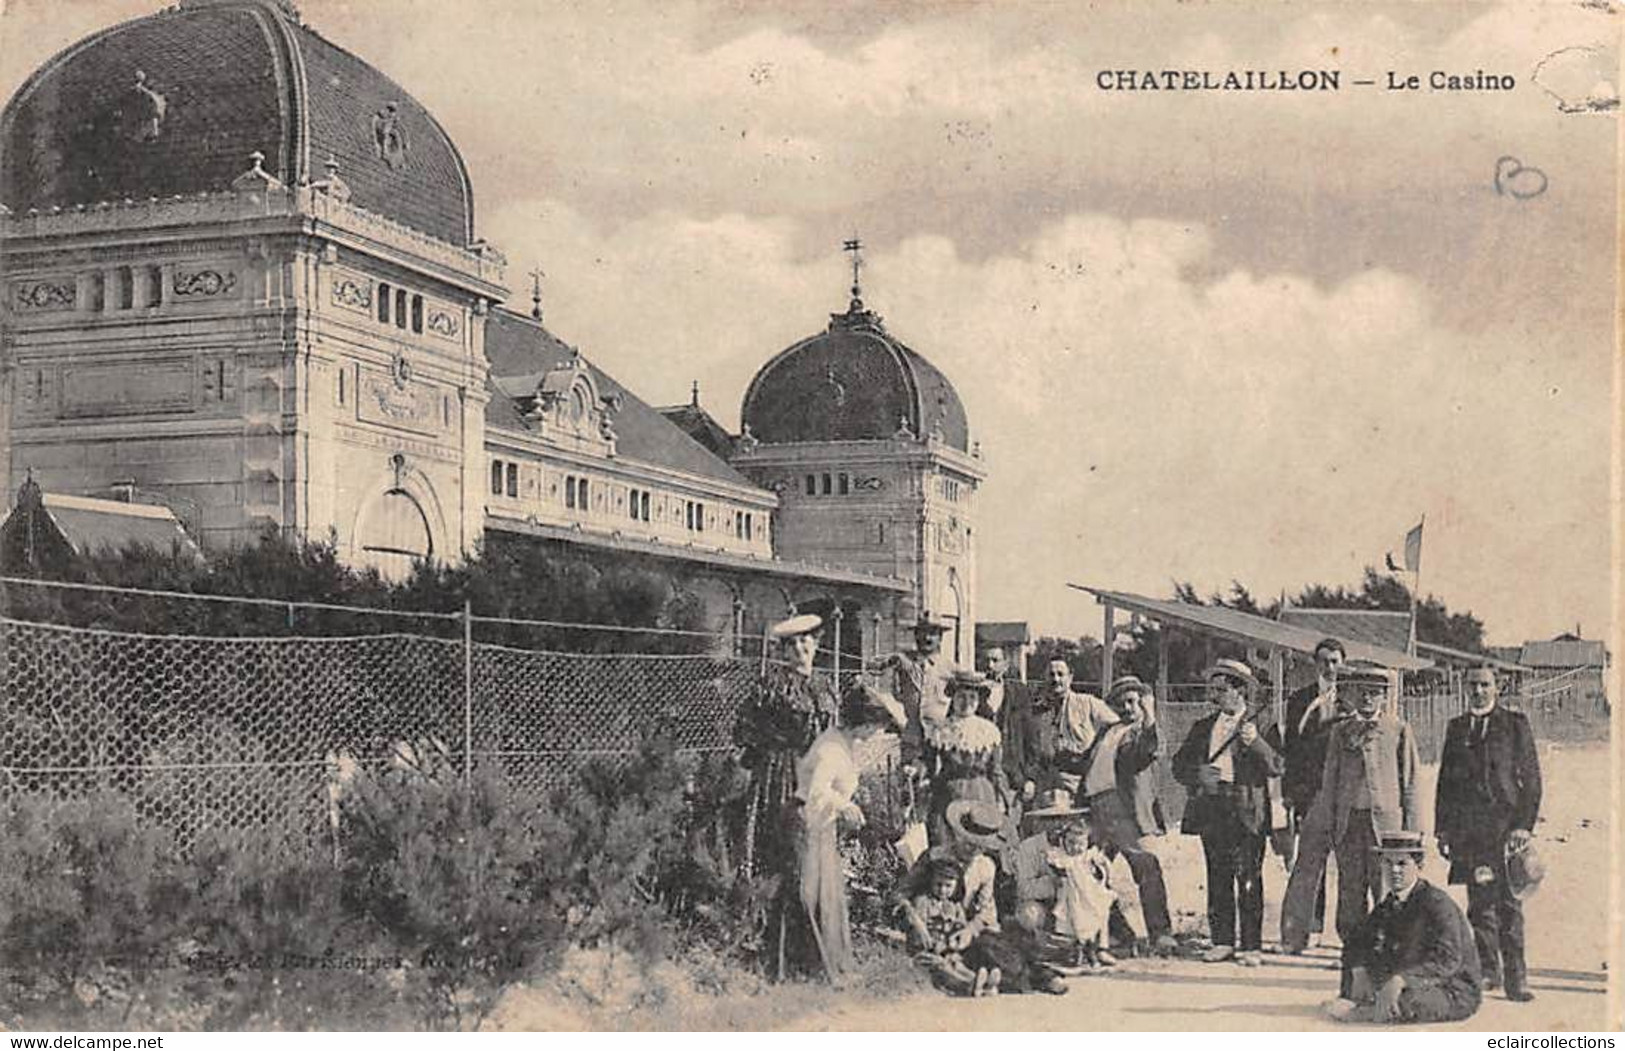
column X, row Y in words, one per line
column 789, row 709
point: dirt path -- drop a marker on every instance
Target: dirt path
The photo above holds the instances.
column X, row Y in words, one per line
column 1567, row 947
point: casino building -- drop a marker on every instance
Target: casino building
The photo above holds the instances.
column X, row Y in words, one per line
column 242, row 279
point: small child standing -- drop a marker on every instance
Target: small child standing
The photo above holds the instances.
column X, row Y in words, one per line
column 939, row 933
column 1083, row 899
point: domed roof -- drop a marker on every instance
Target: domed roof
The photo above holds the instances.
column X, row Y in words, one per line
column 175, row 103
column 853, row 382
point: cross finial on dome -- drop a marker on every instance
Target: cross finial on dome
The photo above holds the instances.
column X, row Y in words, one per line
column 854, row 245
column 536, row 276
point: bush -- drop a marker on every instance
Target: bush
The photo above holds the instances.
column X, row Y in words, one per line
column 448, row 876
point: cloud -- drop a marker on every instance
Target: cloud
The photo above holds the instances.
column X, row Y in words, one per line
column 1145, row 419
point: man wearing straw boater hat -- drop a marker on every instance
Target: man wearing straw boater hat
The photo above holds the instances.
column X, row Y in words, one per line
column 1413, row 958
column 1225, row 765
column 1368, row 786
column 1485, row 809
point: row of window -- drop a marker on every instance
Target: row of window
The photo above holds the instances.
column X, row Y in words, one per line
column 396, row 305
column 817, row 484
column 639, row 502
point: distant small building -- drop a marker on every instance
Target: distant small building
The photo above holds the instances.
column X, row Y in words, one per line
column 46, row 532
column 1569, row 659
column 1014, row 637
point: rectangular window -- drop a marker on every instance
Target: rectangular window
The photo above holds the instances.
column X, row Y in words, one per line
column 417, row 314
column 496, row 477
column 645, row 507
column 747, row 525
column 826, row 485
column 699, row 518
column 570, row 492
column 342, row 370
column 812, row 486
column 632, row 504
column 155, row 286
column 383, row 302
column 846, row 485
column 126, row 287
column 513, row 479
column 581, row 495
column 400, row 308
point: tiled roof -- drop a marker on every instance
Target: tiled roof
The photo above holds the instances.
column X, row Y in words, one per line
column 517, row 346
column 1374, row 627
column 1564, row 653
column 235, row 76
column 852, row 382
column 700, row 425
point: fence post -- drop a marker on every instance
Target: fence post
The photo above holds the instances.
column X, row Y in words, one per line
column 468, row 693
column 836, row 617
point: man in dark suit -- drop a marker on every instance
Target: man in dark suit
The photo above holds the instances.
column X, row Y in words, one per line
column 1413, row 958
column 1225, row 765
column 1310, row 714
column 1486, row 805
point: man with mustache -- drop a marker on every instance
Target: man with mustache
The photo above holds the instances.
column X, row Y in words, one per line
column 1485, row 809
column 1368, row 787
column 1311, row 712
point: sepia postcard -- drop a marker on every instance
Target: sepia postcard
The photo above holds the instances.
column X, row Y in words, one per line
column 810, row 515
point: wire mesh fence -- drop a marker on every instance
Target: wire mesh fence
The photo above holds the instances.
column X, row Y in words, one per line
column 262, row 730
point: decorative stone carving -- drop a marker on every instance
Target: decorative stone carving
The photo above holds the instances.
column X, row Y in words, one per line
column 332, row 186
column 400, row 370
column 444, row 323
column 352, row 292
column 871, row 483
column 138, row 116
column 203, row 283
column 256, row 179
column 43, row 295
column 389, row 135
column 748, row 442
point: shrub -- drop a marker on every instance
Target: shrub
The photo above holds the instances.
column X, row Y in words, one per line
column 83, row 886
column 446, row 873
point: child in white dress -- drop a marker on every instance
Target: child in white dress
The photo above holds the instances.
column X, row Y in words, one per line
column 1083, row 899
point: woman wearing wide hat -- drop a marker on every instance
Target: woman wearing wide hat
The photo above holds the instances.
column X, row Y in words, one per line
column 789, row 709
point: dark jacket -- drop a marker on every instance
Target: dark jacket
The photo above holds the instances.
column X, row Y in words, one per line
column 1305, row 749
column 1486, row 788
column 1255, row 764
column 1425, row 940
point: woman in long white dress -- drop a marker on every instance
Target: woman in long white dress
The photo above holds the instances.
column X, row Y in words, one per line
column 826, row 779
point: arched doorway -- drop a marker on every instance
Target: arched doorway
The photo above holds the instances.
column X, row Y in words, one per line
column 394, row 534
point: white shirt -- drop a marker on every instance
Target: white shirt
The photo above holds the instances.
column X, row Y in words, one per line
column 1224, row 728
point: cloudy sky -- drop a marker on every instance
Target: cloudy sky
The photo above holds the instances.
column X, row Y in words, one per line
column 1201, row 336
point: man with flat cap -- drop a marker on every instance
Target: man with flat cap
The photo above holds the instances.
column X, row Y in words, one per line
column 1412, row 959
column 1485, row 809
column 919, row 683
column 1121, row 789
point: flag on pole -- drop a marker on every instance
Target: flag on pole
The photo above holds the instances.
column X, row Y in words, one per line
column 1413, row 553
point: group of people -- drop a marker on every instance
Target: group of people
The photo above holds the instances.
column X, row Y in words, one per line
column 1028, row 804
